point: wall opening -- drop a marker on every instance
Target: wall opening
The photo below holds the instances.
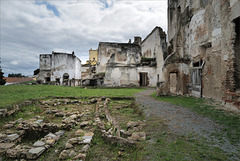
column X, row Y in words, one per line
column 57, row 81
column 65, row 79
column 143, row 79
column 173, row 83
column 237, row 53
column 196, row 78
column 47, row 79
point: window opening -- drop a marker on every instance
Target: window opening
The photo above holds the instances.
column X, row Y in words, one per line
column 237, row 53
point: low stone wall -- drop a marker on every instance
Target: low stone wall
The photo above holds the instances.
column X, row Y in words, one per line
column 48, row 134
column 10, row 110
column 232, row 99
column 132, row 137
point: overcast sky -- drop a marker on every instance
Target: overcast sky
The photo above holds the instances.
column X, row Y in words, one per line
column 30, row 28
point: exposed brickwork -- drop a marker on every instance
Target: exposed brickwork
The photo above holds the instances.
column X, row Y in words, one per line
column 207, row 32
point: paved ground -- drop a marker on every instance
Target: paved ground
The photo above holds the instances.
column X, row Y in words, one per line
column 182, row 121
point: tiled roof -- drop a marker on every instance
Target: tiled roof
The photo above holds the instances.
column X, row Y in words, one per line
column 17, row 79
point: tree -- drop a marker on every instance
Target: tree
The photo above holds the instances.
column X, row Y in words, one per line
column 2, row 81
column 36, row 72
column 16, row 75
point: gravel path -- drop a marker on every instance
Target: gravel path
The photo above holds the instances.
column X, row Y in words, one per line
column 182, row 121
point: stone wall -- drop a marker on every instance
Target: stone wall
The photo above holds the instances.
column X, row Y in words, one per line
column 124, row 53
column 202, row 34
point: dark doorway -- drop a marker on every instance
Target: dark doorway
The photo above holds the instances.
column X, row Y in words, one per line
column 237, row 53
column 57, row 81
column 143, row 79
column 47, row 79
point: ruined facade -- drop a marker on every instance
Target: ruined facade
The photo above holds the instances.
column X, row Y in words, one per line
column 203, row 54
column 88, row 70
column 59, row 69
column 154, row 47
column 132, row 64
column 92, row 57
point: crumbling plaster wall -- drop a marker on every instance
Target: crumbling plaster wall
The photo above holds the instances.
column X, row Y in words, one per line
column 182, row 72
column 121, row 59
column 85, row 71
column 55, row 65
column 124, row 53
column 155, row 46
column 203, row 30
column 129, row 75
column 65, row 63
column 45, row 64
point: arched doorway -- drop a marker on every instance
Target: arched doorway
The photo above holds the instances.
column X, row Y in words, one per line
column 65, row 79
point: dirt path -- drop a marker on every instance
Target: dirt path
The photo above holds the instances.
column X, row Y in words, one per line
column 182, row 121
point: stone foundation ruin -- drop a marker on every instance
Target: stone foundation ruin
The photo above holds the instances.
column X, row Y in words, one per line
column 71, row 122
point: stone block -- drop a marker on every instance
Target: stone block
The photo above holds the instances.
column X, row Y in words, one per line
column 6, row 145
column 60, row 133
column 80, row 156
column 51, row 142
column 12, row 137
column 64, row 154
column 34, row 153
column 138, row 136
column 39, row 144
column 68, row 146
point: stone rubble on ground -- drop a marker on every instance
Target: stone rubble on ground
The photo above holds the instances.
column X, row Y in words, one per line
column 81, row 137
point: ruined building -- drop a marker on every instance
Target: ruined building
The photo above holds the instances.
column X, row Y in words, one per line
column 133, row 64
column 204, row 50
column 92, row 57
column 59, row 69
column 88, row 70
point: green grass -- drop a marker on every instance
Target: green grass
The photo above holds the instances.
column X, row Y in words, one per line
column 26, row 112
column 231, row 121
column 13, row 94
column 27, row 82
column 162, row 145
column 102, row 150
column 129, row 112
column 181, row 149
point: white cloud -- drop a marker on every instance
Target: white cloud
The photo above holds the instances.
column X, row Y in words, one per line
column 28, row 29
column 14, row 62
